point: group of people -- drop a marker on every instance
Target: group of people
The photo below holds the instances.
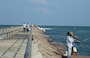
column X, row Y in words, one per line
column 26, row 27
column 71, row 41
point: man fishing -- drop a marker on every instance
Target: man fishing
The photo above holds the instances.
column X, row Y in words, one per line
column 69, row 41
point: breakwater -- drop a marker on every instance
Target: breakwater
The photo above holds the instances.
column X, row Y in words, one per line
column 47, row 48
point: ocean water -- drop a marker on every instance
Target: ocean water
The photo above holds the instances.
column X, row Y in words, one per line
column 5, row 26
column 59, row 33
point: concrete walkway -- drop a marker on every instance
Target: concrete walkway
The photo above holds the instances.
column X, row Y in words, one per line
column 14, row 47
column 35, row 53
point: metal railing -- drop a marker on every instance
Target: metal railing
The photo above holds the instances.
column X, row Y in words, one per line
column 9, row 32
column 28, row 48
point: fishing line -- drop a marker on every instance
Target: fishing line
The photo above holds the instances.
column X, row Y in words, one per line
column 85, row 39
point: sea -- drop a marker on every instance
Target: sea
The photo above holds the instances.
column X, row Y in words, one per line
column 59, row 34
column 6, row 26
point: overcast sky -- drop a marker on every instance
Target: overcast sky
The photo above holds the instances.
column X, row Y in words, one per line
column 45, row 12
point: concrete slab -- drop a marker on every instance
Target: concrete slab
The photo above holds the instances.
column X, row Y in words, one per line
column 14, row 47
column 35, row 53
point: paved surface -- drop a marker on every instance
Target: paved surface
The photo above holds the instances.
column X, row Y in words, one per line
column 14, row 47
column 35, row 52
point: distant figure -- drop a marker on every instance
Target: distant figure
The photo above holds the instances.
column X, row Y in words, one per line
column 24, row 27
column 27, row 27
column 69, row 41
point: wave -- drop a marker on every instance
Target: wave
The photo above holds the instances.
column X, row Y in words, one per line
column 47, row 28
column 41, row 29
column 44, row 29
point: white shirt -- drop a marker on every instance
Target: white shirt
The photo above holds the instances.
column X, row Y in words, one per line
column 69, row 41
column 28, row 26
column 24, row 25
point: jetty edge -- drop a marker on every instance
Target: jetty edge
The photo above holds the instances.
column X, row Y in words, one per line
column 44, row 47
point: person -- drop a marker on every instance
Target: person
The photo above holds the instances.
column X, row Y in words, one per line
column 27, row 27
column 69, row 42
column 74, row 48
column 24, row 27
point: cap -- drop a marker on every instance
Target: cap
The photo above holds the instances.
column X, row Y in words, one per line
column 76, row 37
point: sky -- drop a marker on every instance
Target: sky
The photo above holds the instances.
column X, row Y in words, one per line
column 45, row 12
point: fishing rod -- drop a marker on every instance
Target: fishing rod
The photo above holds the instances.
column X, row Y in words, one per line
column 85, row 39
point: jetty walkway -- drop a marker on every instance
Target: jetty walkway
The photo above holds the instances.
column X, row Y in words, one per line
column 14, row 43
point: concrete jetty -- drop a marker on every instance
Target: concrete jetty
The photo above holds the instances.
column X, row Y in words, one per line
column 44, row 47
column 33, row 44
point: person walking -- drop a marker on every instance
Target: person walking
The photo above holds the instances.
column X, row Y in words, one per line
column 27, row 27
column 69, row 42
column 24, row 27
